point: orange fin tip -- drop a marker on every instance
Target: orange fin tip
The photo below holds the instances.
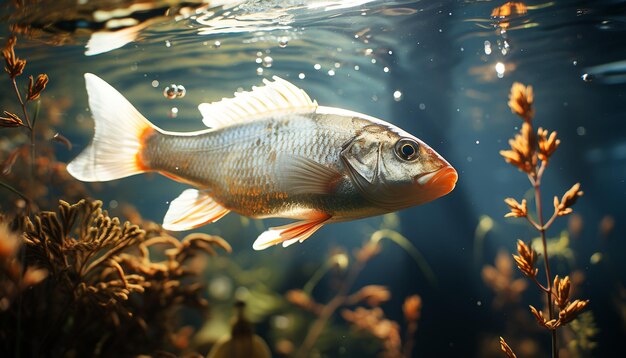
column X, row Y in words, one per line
column 290, row 234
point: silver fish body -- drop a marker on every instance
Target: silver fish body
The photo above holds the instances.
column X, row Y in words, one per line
column 291, row 159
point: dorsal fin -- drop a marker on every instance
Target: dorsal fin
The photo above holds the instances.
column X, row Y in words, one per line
column 278, row 97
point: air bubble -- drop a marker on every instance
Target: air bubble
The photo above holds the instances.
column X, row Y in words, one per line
column 587, row 77
column 259, row 71
column 317, row 66
column 173, row 112
column 331, row 72
column 182, row 91
column 217, row 44
column 168, row 43
column 283, row 42
column 155, row 83
column 487, row 46
column 172, row 91
column 301, row 76
column 267, row 61
column 397, row 96
column 500, row 68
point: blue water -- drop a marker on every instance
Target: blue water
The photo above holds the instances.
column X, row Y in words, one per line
column 440, row 70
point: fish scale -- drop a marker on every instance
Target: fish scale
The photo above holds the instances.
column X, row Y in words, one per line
column 242, row 173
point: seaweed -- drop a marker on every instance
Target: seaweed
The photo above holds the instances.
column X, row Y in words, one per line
column 78, row 282
column 530, row 153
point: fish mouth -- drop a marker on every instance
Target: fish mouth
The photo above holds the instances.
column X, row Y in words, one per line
column 442, row 180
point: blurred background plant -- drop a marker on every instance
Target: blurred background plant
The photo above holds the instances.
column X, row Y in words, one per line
column 362, row 308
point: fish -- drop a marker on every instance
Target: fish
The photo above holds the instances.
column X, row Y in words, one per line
column 271, row 152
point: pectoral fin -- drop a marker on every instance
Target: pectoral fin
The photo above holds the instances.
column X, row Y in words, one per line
column 290, row 234
column 193, row 208
column 302, row 175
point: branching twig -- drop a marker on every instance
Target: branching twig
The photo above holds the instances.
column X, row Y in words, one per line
column 530, row 153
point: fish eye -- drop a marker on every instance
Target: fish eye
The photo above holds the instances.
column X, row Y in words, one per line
column 407, row 149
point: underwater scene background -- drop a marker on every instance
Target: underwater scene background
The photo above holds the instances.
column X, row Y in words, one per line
column 437, row 280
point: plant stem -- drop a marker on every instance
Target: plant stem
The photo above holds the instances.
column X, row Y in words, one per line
column 318, row 326
column 409, row 339
column 22, row 103
column 31, row 129
column 542, row 231
column 12, row 189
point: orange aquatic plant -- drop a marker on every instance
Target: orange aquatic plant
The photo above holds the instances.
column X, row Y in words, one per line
column 368, row 316
column 530, row 153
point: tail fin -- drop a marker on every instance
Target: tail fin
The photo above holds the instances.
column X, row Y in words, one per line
column 119, row 132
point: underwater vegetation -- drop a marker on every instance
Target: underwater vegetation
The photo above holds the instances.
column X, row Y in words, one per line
column 29, row 167
column 530, row 153
column 361, row 308
column 78, row 282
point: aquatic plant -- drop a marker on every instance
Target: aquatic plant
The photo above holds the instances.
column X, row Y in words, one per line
column 29, row 167
column 500, row 279
column 90, row 276
column 14, row 68
column 367, row 316
column 530, row 153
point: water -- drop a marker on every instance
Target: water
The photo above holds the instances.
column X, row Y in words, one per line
column 440, row 70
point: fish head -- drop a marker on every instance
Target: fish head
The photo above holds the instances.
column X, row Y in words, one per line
column 394, row 170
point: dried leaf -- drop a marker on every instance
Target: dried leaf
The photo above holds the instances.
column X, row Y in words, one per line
column 538, row 316
column 562, row 291
column 547, row 144
column 34, row 90
column 571, row 311
column 523, row 147
column 11, row 120
column 14, row 65
column 526, row 259
column 568, row 200
column 517, row 209
column 521, row 101
column 506, row 349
